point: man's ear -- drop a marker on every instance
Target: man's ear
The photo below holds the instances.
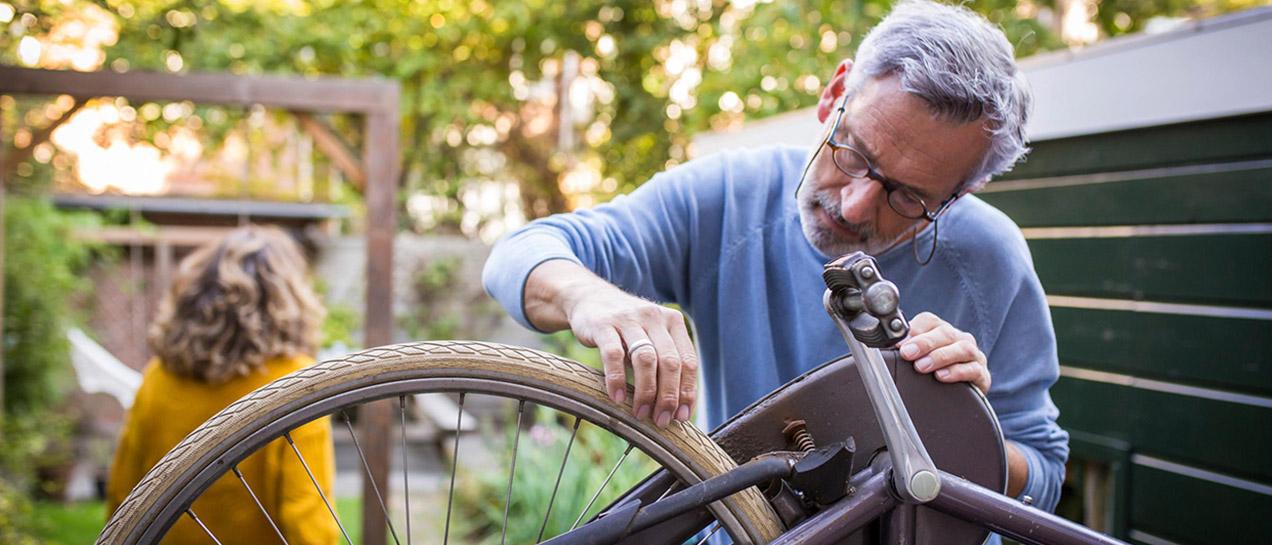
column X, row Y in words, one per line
column 833, row 91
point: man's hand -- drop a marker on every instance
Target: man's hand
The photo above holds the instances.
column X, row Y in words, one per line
column 627, row 330
column 936, row 346
column 653, row 339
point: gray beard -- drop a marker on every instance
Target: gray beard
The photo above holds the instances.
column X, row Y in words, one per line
column 829, row 242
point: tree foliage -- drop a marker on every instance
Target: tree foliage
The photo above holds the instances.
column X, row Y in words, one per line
column 533, row 90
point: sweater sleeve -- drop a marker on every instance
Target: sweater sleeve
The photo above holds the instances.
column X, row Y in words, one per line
column 1024, row 366
column 640, row 242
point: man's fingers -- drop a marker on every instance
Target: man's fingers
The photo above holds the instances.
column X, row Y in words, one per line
column 644, row 359
column 923, row 323
column 688, row 369
column 919, row 345
column 945, row 356
column 614, row 360
column 668, row 376
column 973, row 372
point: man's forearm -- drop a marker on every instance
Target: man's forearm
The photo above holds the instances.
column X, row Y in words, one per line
column 550, row 291
column 1017, row 470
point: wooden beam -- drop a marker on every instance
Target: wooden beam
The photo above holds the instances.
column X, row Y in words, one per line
column 380, row 155
column 4, row 189
column 40, row 137
column 334, row 147
column 160, row 236
column 293, row 93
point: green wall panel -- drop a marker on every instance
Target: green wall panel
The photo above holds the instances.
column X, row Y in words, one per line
column 1205, row 269
column 1183, row 509
column 1220, row 436
column 1223, row 197
column 1228, row 139
column 1195, row 350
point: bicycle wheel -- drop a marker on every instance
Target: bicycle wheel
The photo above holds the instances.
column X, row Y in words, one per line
column 211, row 451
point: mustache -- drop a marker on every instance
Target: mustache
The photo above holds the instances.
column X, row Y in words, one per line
column 832, row 206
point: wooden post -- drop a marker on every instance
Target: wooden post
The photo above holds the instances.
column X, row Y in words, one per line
column 380, row 155
column 4, row 190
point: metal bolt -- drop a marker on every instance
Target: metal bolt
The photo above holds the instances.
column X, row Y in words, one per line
column 867, row 272
column 924, row 485
column 896, row 324
column 1026, row 499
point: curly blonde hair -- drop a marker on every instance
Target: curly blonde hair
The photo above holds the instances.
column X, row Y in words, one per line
column 235, row 304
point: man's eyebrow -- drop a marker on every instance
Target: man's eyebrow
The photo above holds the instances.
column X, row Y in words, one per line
column 861, row 146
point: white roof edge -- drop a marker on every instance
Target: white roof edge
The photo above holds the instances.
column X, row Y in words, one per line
column 1132, row 41
column 1206, row 69
column 1185, row 74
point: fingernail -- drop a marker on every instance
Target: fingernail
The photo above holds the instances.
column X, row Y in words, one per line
column 682, row 414
column 664, row 418
column 618, row 395
column 943, row 373
column 643, row 412
column 924, row 364
column 909, row 350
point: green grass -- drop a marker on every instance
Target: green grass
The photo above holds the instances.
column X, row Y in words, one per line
column 350, row 511
column 68, row 523
column 78, row 523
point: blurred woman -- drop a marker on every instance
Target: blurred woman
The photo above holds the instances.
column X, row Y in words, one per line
column 240, row 313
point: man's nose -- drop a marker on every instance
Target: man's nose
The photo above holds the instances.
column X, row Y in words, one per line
column 857, row 200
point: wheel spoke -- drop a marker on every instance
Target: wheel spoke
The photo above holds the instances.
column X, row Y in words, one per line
column 512, row 471
column 560, row 472
column 366, row 466
column 709, row 534
column 621, row 459
column 667, row 492
column 201, row 525
column 450, row 498
column 322, row 495
column 406, row 487
column 239, row 474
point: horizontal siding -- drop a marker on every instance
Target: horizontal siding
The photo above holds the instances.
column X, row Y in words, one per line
column 1231, row 438
column 1216, row 140
column 1185, row 509
column 1200, row 350
column 1155, row 248
column 1203, row 269
column 1219, row 197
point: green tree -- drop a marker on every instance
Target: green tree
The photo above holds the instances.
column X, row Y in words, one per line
column 41, row 265
column 488, row 87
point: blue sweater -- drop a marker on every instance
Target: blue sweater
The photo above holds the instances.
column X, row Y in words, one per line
column 721, row 237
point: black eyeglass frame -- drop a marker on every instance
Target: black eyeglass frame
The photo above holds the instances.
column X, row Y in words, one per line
column 889, row 186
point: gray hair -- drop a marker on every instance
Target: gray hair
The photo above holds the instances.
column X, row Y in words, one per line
column 961, row 65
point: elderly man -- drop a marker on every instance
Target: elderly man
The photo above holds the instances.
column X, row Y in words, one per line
column 932, row 108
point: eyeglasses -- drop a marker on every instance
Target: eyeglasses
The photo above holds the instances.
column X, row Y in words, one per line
column 901, row 199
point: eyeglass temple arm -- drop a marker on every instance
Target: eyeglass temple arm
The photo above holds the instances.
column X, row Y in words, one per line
column 866, row 309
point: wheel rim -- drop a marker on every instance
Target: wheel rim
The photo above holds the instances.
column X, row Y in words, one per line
column 220, row 461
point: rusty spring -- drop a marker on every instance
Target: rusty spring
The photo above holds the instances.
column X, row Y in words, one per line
column 796, row 431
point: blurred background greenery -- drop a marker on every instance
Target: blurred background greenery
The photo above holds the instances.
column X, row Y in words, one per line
column 510, row 110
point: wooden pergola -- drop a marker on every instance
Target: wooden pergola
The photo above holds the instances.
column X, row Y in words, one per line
column 375, row 173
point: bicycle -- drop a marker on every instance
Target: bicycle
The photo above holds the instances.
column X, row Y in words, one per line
column 854, row 470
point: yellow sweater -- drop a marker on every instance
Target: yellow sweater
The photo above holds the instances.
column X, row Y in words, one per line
column 168, row 407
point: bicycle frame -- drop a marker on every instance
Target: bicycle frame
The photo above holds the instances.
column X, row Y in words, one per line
column 902, row 488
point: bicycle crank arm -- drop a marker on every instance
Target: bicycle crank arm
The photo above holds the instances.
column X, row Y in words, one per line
column 866, row 309
column 631, row 517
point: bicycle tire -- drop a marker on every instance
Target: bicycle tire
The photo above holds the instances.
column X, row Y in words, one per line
column 265, row 414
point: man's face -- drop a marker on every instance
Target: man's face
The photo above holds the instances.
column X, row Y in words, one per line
column 897, row 132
